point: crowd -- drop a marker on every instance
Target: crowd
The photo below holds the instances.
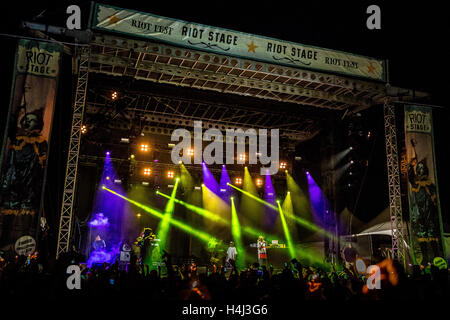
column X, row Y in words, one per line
column 29, row 277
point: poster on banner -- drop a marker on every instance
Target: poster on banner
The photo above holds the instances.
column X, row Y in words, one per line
column 26, row 140
column 425, row 227
column 235, row 43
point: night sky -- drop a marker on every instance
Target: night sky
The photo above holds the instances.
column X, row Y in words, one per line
column 413, row 37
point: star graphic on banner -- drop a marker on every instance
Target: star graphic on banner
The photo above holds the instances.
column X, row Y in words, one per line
column 113, row 19
column 371, row 68
column 251, row 47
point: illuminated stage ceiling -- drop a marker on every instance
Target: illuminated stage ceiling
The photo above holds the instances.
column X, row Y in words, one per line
column 231, row 92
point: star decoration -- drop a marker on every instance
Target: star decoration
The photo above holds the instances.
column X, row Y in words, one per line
column 371, row 68
column 251, row 47
column 113, row 19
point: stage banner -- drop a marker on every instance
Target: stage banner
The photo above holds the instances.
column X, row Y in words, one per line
column 425, row 223
column 26, row 142
column 235, row 43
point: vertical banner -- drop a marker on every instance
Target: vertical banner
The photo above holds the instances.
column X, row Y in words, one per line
column 25, row 146
column 424, row 211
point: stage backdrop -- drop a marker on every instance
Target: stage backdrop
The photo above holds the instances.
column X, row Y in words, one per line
column 425, row 227
column 26, row 141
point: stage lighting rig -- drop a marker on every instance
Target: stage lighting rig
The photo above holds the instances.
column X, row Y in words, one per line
column 170, row 174
column 144, row 147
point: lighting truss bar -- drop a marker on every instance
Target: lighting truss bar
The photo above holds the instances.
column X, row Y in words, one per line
column 399, row 237
column 65, row 222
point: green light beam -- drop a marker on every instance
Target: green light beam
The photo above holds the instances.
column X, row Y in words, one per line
column 290, row 215
column 203, row 236
column 236, row 233
column 287, row 234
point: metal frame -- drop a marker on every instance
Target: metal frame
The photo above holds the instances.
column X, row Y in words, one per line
column 65, row 222
column 395, row 202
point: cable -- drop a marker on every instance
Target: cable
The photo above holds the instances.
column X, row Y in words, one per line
column 42, row 39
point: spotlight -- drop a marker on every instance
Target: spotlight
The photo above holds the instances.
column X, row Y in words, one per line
column 298, row 158
column 118, row 181
column 114, row 95
column 190, row 152
column 132, row 156
column 145, row 147
column 289, row 192
column 350, row 173
column 107, row 178
column 238, row 181
column 223, row 190
column 125, row 140
column 138, row 215
column 307, row 172
column 108, row 153
column 283, row 165
column 171, row 145
column 203, row 184
column 103, row 187
column 170, row 174
column 170, row 186
column 351, row 148
column 231, row 198
column 147, row 171
column 83, row 129
column 242, row 157
column 278, row 201
column 352, row 162
column 145, row 183
column 259, row 182
column 178, row 179
column 197, row 188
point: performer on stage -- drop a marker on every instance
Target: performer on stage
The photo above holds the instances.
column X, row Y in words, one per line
column 262, row 251
column 231, row 254
column 145, row 244
column 99, row 244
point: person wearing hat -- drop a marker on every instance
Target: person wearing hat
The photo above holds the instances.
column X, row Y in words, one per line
column 231, row 254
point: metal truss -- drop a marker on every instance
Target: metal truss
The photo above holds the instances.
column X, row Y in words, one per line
column 65, row 222
column 395, row 204
column 162, row 63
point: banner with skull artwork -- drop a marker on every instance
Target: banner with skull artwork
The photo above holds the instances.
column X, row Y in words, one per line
column 26, row 141
column 424, row 211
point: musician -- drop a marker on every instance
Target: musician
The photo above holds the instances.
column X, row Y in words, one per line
column 145, row 243
column 262, row 251
column 99, row 244
column 231, row 254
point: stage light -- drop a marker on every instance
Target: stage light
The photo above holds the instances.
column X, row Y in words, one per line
column 170, row 186
column 223, row 190
column 288, row 192
column 350, row 173
column 118, row 181
column 298, row 158
column 197, row 188
column 138, row 215
column 171, row 145
column 107, row 178
column 351, row 148
column 145, row 183
column 125, row 140
column 108, row 153
column 190, row 152
column 238, row 181
column 147, row 171
column 114, row 95
column 242, row 157
column 145, row 147
column 170, row 174
column 283, row 165
column 83, row 129
column 203, row 184
column 259, row 182
column 132, row 156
